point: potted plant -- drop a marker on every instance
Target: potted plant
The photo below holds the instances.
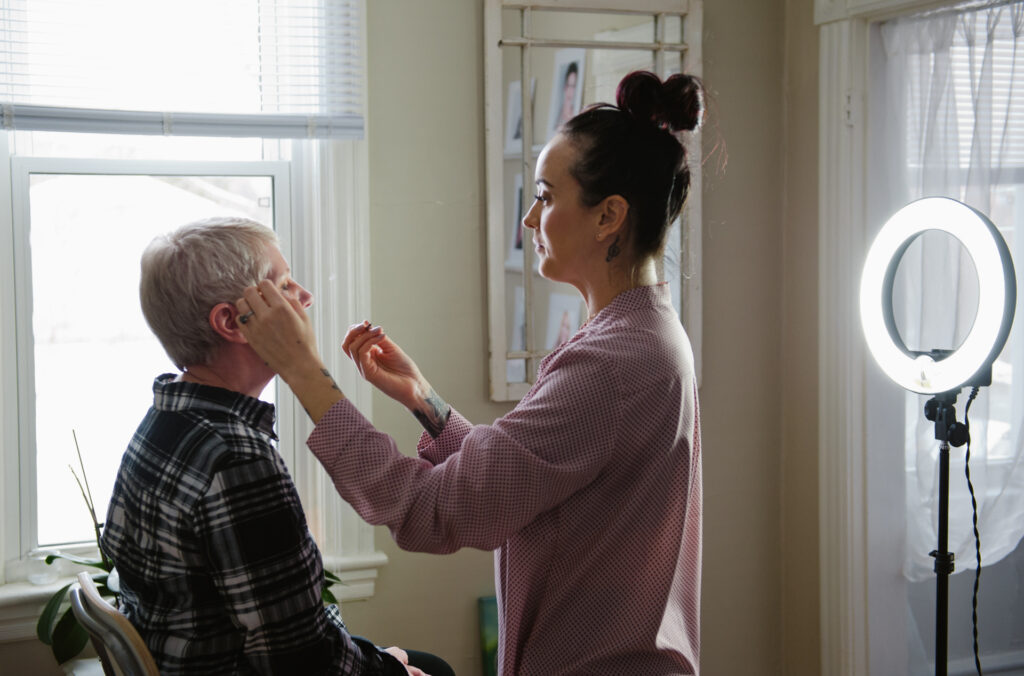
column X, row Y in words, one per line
column 61, row 630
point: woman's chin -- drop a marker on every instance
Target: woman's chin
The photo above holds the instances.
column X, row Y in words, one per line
column 547, row 271
column 542, row 268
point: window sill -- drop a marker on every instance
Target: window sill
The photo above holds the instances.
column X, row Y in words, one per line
column 22, row 602
column 20, row 606
column 358, row 575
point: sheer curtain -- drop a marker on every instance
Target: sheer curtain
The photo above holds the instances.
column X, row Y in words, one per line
column 953, row 125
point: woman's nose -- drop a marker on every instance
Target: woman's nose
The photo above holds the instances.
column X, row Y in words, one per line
column 305, row 297
column 530, row 219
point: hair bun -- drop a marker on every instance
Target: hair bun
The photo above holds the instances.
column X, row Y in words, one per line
column 684, row 102
column 676, row 104
column 639, row 95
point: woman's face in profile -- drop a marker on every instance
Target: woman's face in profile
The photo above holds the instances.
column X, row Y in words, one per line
column 563, row 229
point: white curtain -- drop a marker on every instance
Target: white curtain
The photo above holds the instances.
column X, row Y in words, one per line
column 953, row 111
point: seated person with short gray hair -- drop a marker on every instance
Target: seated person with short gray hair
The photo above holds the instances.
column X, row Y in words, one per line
column 218, row 570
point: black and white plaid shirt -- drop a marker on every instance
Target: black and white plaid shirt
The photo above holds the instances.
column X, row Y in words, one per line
column 218, row 570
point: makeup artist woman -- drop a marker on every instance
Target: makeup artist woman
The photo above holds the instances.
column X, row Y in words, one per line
column 589, row 490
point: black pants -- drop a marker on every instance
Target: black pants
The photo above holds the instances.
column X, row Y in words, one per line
column 432, row 664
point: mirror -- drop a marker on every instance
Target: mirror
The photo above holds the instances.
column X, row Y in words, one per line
column 573, row 53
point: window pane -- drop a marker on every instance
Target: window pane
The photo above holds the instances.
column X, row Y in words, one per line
column 95, row 357
column 125, row 147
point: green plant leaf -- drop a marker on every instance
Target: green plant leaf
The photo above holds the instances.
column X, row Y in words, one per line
column 332, row 577
column 44, row 627
column 327, row 596
column 80, row 560
column 69, row 638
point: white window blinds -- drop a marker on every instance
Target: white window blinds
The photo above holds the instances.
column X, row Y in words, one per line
column 260, row 68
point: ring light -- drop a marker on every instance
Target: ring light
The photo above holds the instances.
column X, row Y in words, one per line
column 997, row 296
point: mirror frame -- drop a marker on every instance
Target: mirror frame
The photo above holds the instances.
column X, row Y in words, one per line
column 684, row 240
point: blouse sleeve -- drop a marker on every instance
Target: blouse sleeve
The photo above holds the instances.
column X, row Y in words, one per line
column 475, row 486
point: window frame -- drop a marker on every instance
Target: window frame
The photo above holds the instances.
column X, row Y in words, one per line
column 854, row 573
column 22, row 168
column 330, row 252
column 328, row 247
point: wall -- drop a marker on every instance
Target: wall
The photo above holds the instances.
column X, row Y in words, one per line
column 741, row 394
column 799, row 448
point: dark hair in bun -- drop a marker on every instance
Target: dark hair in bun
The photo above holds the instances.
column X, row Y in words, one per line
column 632, row 150
column 676, row 104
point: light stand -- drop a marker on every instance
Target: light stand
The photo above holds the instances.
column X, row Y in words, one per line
column 940, row 410
column 941, row 373
column 943, row 557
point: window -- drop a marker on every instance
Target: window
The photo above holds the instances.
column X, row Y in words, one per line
column 864, row 479
column 87, row 176
column 945, row 119
column 84, row 346
column 250, row 68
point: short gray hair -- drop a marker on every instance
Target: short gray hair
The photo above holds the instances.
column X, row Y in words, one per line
column 185, row 273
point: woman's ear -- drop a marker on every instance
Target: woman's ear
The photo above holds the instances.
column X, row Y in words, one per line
column 612, row 216
column 224, row 321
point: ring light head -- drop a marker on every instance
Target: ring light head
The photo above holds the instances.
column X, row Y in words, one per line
column 936, row 372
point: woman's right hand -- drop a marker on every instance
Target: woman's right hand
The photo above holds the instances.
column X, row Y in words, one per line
column 384, row 365
column 280, row 331
column 278, row 328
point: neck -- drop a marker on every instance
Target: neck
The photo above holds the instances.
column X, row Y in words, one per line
column 230, row 370
column 602, row 292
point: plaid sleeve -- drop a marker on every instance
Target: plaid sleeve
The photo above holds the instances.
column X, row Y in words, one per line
column 268, row 571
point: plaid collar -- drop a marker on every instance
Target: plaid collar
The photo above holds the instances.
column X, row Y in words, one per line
column 172, row 395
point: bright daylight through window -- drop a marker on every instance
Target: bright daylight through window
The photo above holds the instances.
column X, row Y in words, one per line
column 101, row 153
column 87, row 235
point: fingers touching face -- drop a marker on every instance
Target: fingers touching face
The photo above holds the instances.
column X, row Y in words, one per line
column 279, row 286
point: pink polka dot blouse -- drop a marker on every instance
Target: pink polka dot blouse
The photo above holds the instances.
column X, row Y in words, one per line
column 588, row 491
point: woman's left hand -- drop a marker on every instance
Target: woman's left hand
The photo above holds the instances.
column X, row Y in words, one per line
column 384, row 365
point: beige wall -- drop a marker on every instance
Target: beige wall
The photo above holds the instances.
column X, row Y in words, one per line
column 759, row 397
column 799, row 448
column 741, row 393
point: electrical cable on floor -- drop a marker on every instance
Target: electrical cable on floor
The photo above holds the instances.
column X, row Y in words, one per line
column 977, row 535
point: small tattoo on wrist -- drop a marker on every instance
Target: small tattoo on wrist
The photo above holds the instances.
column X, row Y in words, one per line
column 327, row 373
column 433, row 415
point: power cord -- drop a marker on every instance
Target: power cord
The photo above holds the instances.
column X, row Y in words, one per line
column 977, row 535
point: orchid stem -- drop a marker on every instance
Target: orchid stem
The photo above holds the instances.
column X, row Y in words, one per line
column 87, row 496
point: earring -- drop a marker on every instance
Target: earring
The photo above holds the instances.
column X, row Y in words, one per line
column 613, row 250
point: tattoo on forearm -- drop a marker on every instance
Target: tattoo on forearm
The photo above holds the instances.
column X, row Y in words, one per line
column 433, row 414
column 331, row 378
